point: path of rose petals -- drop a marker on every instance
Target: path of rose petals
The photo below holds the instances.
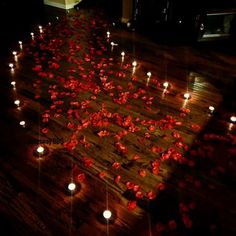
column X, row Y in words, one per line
column 92, row 73
column 80, row 73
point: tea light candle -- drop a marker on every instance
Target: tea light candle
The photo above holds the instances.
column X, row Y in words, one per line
column 11, row 65
column 134, row 64
column 166, row 84
column 40, row 29
column 22, row 123
column 114, row 44
column 233, row 119
column 71, row 187
column 187, row 96
column 13, row 83
column 15, row 55
column 211, row 108
column 17, row 102
column 107, row 214
column 40, row 150
column 20, row 44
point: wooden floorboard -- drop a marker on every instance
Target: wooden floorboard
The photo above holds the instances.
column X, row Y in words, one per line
column 162, row 164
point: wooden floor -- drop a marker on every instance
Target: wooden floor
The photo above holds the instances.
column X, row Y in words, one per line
column 163, row 165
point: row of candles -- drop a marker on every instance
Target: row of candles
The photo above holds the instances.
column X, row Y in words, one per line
column 186, row 95
column 72, row 187
column 40, row 150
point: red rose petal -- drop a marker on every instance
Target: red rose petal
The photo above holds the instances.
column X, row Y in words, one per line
column 131, row 205
column 136, row 188
column 172, row 225
column 102, row 175
column 81, row 177
column 116, row 165
column 161, row 186
column 151, row 195
column 187, row 221
column 129, row 185
column 142, row 173
column 139, row 195
column 135, row 157
column 117, row 179
column 45, row 130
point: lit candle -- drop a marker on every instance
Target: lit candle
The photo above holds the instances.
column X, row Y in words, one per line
column 114, row 44
column 57, row 18
column 22, row 123
column 134, row 64
column 40, row 29
column 165, row 85
column 20, row 44
column 149, row 74
column 13, row 83
column 187, row 96
column 230, row 126
column 107, row 214
column 211, row 108
column 40, row 150
column 108, row 34
column 32, row 35
column 11, row 65
column 122, row 54
column 15, row 55
column 71, row 187
column 233, row 119
column 17, row 102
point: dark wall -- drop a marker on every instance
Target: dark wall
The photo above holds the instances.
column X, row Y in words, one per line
column 17, row 17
